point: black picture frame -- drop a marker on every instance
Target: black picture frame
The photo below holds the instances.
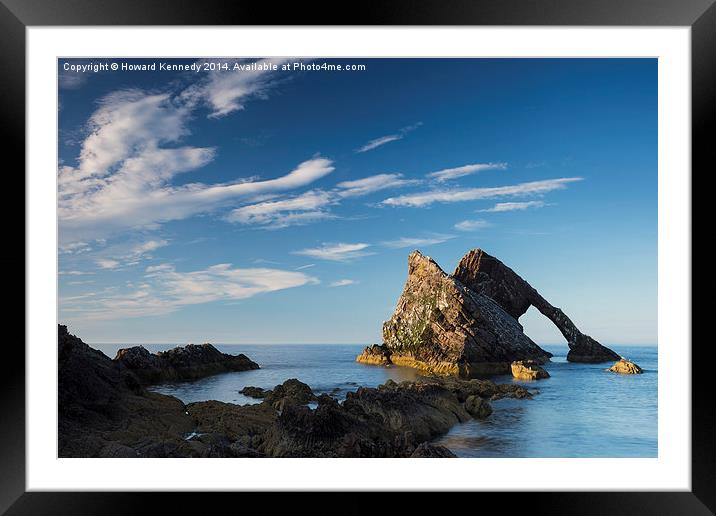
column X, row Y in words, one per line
column 17, row 15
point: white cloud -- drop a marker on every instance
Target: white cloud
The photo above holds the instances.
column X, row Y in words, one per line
column 125, row 169
column 373, row 144
column 515, row 206
column 403, row 242
column 167, row 290
column 301, row 209
column 74, row 273
column 377, row 142
column 307, row 266
column 75, row 248
column 472, row 225
column 147, row 247
column 454, row 173
column 372, row 184
column 336, row 252
column 473, row 194
column 313, row 205
column 343, row 283
column 106, row 263
column 227, row 91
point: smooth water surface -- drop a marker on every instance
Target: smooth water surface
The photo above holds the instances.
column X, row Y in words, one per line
column 580, row 411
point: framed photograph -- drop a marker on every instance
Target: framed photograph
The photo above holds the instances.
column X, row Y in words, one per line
column 306, row 256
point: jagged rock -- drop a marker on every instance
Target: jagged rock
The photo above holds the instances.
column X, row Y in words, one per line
column 528, row 370
column 439, row 326
column 432, row 451
column 624, row 366
column 104, row 411
column 290, row 391
column 487, row 275
column 478, row 407
column 375, row 355
column 380, row 422
column 181, row 363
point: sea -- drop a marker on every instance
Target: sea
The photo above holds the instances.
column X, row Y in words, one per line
column 581, row 410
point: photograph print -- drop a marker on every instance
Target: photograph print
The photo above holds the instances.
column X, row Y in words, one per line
column 357, row 257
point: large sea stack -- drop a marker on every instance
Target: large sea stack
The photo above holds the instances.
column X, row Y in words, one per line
column 466, row 324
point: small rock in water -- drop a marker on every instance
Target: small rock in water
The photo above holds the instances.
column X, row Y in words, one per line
column 625, row 366
column 528, row 370
column 254, row 392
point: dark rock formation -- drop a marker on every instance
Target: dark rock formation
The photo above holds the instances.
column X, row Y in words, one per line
column 487, row 275
column 103, row 411
column 181, row 363
column 625, row 366
column 528, row 370
column 106, row 412
column 290, row 391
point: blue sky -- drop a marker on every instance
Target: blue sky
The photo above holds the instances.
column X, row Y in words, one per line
column 279, row 206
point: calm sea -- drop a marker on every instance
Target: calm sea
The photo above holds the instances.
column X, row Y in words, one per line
column 580, row 411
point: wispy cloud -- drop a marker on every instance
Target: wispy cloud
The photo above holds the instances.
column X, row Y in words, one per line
column 515, row 206
column 165, row 290
column 307, row 266
column 343, row 283
column 337, row 252
column 75, row 248
column 314, row 205
column 466, row 170
column 297, row 210
column 372, row 184
column 227, row 91
column 472, row 225
column 404, row 242
column 106, row 263
column 123, row 175
column 382, row 140
column 473, row 194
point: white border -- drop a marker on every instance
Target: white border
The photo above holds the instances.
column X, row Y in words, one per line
column 672, row 468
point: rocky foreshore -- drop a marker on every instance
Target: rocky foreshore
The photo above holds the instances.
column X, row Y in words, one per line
column 181, row 363
column 105, row 410
column 466, row 323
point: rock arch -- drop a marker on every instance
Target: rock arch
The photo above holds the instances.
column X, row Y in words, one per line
column 487, row 275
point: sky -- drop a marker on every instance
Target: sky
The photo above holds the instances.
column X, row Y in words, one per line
column 265, row 202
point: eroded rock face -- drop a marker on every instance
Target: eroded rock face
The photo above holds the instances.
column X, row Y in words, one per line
column 625, row 366
column 528, row 370
column 181, row 363
column 485, row 274
column 442, row 327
